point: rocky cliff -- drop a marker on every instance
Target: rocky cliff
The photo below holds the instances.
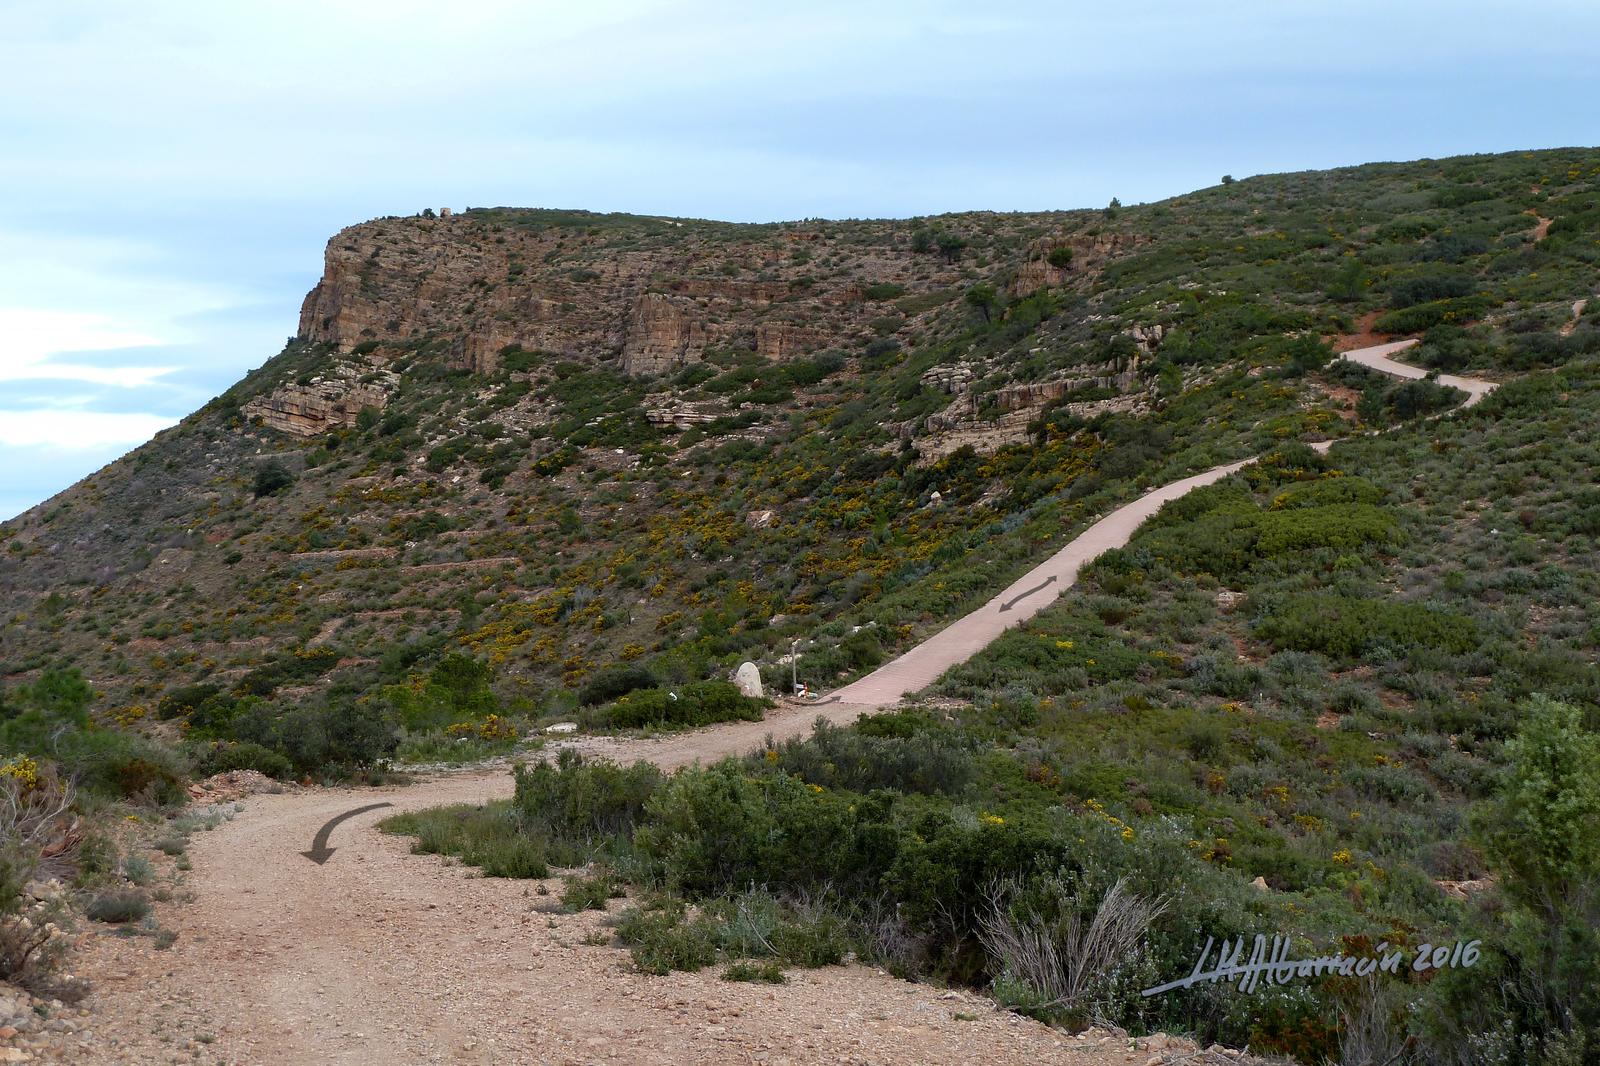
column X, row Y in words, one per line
column 655, row 294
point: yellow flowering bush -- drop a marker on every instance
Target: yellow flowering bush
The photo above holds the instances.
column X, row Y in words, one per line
column 21, row 769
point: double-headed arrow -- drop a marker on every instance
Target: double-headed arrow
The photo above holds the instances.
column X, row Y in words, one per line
column 320, row 852
column 1019, row 597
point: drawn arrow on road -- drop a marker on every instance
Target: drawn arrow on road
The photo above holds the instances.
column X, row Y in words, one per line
column 320, row 852
column 1019, row 597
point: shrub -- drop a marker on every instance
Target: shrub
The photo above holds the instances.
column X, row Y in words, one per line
column 615, row 682
column 348, row 734
column 661, row 941
column 925, row 759
column 813, row 936
column 1426, row 288
column 592, row 892
column 1342, row 527
column 697, row 704
column 222, row 756
column 181, row 702
column 1055, row 963
column 491, row 837
column 1543, row 941
column 34, row 802
column 769, row 972
column 117, row 906
column 1344, row 626
column 582, row 805
column 1421, row 317
column 272, row 477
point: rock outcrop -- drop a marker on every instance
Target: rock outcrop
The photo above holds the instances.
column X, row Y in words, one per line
column 652, row 294
column 781, row 340
column 315, row 408
column 662, row 334
column 1054, row 260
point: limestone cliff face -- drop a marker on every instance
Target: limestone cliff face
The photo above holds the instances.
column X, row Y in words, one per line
column 306, row 411
column 662, row 333
column 652, row 293
column 1076, row 254
column 329, row 402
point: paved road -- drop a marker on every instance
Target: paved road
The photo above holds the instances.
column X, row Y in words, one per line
column 1377, row 357
column 383, row 957
column 965, row 637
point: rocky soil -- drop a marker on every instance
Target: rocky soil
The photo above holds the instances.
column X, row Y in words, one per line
column 382, row 956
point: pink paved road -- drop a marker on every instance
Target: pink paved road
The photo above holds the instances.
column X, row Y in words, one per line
column 965, row 637
column 1377, row 357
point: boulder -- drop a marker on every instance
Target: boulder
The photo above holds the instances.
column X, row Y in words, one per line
column 748, row 678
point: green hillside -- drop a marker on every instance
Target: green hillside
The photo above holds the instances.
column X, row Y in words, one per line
column 523, row 467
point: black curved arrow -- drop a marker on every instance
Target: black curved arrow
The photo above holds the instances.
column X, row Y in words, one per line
column 1019, row 597
column 320, row 852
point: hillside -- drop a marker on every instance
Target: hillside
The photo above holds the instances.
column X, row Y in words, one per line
column 559, row 441
column 529, row 467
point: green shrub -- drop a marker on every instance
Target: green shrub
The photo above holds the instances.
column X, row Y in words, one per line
column 697, row 704
column 220, row 757
column 930, row 760
column 661, row 940
column 583, row 805
column 1224, row 533
column 348, row 734
column 1325, row 491
column 1421, row 317
column 591, row 892
column 1342, row 527
column 183, row 701
column 272, row 477
column 708, row 831
column 1542, row 938
column 812, row 937
column 1429, row 287
column 491, row 837
column 1343, row 627
column 117, row 906
column 769, row 972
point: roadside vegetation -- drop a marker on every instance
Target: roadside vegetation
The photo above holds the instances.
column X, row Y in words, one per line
column 93, row 827
column 1331, row 697
column 1363, row 682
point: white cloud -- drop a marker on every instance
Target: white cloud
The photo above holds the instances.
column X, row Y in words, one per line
column 31, row 337
column 78, row 429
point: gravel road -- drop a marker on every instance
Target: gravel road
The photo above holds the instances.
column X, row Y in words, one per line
column 380, row 957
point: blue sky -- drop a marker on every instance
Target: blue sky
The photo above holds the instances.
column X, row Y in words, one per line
column 170, row 170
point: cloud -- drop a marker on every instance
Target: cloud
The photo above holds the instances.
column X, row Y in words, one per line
column 103, row 343
column 172, row 168
column 79, row 430
column 30, row 338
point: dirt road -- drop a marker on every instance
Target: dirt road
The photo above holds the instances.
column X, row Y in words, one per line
column 382, row 957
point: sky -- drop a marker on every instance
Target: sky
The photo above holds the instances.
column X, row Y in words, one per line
column 170, row 170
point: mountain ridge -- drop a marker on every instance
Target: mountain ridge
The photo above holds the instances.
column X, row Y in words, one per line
column 532, row 401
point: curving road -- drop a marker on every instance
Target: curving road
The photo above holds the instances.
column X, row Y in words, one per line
column 381, row 957
column 1028, row 595
column 1377, row 358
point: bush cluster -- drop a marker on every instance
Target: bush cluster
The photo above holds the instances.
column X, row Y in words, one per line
column 683, row 707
